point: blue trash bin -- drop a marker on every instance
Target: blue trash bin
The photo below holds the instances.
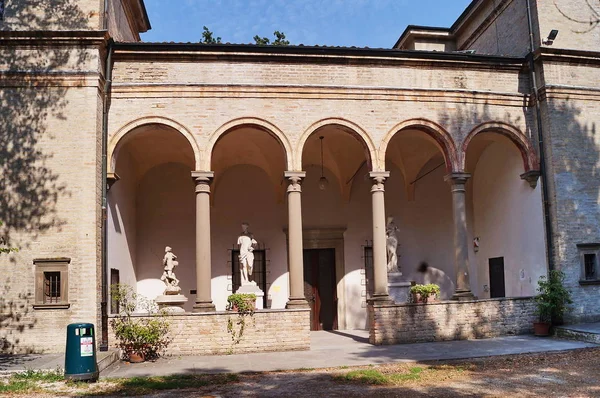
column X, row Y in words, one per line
column 80, row 354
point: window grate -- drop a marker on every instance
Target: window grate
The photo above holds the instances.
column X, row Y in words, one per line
column 51, row 287
column 259, row 273
column 589, row 260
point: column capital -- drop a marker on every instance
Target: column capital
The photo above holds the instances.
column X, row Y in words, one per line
column 457, row 178
column 295, row 177
column 203, row 176
column 379, row 176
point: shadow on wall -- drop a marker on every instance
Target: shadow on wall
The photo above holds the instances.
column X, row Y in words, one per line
column 29, row 99
column 15, row 318
column 575, row 160
column 30, row 189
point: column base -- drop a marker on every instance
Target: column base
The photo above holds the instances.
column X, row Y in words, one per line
column 380, row 299
column 463, row 295
column 204, row 306
column 296, row 303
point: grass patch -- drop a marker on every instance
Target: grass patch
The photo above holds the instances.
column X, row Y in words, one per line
column 145, row 385
column 400, row 374
column 29, row 380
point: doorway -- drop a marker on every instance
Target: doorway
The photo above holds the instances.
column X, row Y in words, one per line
column 320, row 288
column 497, row 277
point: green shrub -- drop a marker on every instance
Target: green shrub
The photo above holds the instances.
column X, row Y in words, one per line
column 553, row 298
column 425, row 290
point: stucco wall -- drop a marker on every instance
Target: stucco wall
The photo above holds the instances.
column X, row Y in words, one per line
column 508, row 220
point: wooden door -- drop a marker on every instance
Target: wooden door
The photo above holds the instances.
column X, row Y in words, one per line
column 497, row 277
column 320, row 288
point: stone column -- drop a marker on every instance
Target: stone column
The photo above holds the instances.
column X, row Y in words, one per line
column 203, row 262
column 380, row 276
column 457, row 182
column 295, row 255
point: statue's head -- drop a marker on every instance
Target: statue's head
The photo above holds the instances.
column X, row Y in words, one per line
column 245, row 226
column 423, row 267
column 167, row 249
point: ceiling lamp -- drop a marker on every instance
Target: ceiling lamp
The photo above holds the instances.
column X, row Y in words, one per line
column 323, row 182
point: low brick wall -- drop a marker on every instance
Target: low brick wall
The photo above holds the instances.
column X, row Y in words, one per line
column 206, row 333
column 450, row 320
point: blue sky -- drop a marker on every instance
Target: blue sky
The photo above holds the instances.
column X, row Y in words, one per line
column 361, row 23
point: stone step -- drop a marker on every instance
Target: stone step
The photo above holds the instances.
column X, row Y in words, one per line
column 106, row 358
column 588, row 332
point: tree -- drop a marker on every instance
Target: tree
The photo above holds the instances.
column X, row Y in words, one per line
column 279, row 40
column 208, row 38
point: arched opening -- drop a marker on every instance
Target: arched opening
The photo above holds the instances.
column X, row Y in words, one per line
column 506, row 217
column 336, row 218
column 249, row 164
column 150, row 207
column 420, row 202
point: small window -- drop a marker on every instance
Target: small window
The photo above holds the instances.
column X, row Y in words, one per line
column 51, row 287
column 590, row 267
column 589, row 261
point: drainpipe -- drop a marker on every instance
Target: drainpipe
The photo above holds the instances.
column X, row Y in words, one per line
column 543, row 175
column 106, row 100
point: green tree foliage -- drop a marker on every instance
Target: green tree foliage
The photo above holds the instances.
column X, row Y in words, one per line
column 279, row 40
column 208, row 37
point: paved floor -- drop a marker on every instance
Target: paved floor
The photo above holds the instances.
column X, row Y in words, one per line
column 343, row 348
column 328, row 349
column 593, row 328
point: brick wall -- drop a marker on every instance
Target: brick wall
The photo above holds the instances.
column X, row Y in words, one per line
column 450, row 320
column 266, row 330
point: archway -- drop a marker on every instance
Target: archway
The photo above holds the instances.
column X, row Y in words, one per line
column 249, row 161
column 506, row 215
column 150, row 207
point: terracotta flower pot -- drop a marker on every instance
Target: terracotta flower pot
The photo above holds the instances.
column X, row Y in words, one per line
column 541, row 328
column 417, row 298
column 136, row 357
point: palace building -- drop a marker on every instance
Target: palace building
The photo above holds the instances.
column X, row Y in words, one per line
column 479, row 140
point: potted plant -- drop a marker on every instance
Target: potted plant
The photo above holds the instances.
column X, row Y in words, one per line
column 424, row 293
column 140, row 338
column 552, row 302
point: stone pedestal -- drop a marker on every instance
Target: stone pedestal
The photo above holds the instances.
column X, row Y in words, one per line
column 171, row 302
column 398, row 287
column 253, row 289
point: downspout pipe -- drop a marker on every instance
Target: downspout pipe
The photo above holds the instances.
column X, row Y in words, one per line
column 543, row 173
column 106, row 102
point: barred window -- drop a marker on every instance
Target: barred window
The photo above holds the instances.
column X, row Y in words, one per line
column 51, row 283
column 589, row 260
column 259, row 273
column 589, row 254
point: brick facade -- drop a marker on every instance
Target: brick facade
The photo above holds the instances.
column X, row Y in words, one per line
column 266, row 330
column 450, row 320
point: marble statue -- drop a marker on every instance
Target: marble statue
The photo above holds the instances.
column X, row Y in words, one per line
column 168, row 276
column 246, row 244
column 392, row 245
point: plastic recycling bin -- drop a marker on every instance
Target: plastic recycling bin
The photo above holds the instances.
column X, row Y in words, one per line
column 80, row 355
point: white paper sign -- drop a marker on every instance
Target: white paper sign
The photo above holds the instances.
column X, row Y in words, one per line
column 87, row 347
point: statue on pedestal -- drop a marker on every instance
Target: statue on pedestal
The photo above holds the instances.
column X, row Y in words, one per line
column 168, row 276
column 392, row 245
column 246, row 244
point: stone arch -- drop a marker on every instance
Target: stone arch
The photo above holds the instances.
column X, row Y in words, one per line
column 355, row 130
column 530, row 159
column 264, row 125
column 116, row 140
column 438, row 133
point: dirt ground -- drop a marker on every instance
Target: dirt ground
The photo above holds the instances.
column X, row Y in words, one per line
column 563, row 374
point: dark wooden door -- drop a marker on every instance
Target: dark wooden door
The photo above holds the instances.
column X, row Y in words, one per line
column 497, row 277
column 320, row 288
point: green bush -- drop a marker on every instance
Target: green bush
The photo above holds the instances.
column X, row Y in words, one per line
column 553, row 298
column 425, row 290
column 147, row 335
